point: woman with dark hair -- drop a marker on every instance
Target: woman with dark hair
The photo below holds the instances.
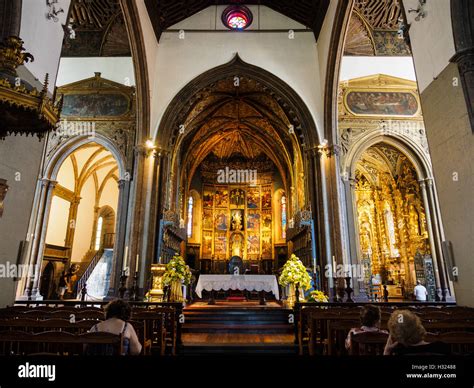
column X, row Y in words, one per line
column 407, row 336
column 370, row 322
column 117, row 315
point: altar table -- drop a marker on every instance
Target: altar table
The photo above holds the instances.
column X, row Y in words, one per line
column 261, row 283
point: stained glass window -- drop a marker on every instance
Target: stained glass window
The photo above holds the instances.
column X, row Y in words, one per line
column 237, row 17
column 283, row 216
column 190, row 217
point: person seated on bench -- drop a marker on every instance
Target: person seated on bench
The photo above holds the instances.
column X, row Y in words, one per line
column 117, row 313
column 370, row 322
column 407, row 336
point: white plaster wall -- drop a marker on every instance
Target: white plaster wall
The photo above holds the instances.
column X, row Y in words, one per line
column 84, row 222
column 179, row 61
column 117, row 69
column 110, row 195
column 355, row 67
column 151, row 52
column 43, row 38
column 324, row 41
column 57, row 224
column 431, row 39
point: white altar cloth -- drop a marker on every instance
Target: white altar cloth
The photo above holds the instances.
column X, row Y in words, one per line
column 267, row 283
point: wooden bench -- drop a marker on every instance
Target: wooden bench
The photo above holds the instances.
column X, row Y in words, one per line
column 368, row 343
column 57, row 343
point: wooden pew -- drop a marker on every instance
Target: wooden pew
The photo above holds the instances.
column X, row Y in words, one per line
column 57, row 343
column 368, row 343
column 461, row 343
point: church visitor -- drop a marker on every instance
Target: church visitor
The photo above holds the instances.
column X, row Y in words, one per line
column 370, row 322
column 407, row 336
column 420, row 292
column 117, row 315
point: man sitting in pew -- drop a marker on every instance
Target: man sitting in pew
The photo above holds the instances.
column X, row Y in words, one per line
column 370, row 322
column 407, row 337
column 117, row 315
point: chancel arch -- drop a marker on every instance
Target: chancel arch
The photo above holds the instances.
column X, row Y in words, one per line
column 235, row 141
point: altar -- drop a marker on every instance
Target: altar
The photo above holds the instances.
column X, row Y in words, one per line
column 260, row 283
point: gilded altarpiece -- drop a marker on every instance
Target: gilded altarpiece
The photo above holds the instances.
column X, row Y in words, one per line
column 390, row 218
column 237, row 217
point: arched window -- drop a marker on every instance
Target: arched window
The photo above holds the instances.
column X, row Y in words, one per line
column 98, row 233
column 283, row 216
column 190, row 217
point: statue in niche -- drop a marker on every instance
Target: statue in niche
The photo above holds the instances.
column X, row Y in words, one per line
column 237, row 245
column 237, row 221
column 237, row 198
column 365, row 240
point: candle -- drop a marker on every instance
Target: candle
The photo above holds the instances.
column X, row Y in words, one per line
column 136, row 264
column 125, row 258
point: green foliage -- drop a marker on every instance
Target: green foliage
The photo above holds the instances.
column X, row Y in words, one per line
column 177, row 270
column 294, row 272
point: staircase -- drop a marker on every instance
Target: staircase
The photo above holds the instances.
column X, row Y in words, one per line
column 237, row 330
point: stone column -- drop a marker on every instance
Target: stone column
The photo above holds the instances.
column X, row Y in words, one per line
column 436, row 223
column 71, row 224
column 431, row 238
column 33, row 282
column 327, row 229
column 120, row 237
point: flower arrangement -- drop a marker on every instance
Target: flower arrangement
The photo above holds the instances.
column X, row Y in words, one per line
column 294, row 273
column 177, row 270
column 318, row 297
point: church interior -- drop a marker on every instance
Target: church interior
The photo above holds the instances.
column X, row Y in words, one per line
column 229, row 167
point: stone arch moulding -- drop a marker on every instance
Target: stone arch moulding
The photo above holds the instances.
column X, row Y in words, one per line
column 295, row 106
column 411, row 150
column 30, row 285
column 167, row 140
column 56, row 159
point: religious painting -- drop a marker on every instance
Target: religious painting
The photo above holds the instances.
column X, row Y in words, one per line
column 208, row 198
column 221, row 220
column 95, row 105
column 237, row 245
column 266, row 220
column 253, row 199
column 207, row 219
column 206, row 244
column 237, row 198
column 267, row 245
column 220, row 245
column 382, row 103
column 253, row 220
column 266, row 197
column 221, row 197
column 237, row 220
column 253, row 245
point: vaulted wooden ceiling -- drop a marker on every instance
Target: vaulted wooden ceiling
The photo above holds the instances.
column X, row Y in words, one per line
column 165, row 13
column 95, row 28
column 373, row 29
